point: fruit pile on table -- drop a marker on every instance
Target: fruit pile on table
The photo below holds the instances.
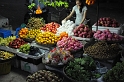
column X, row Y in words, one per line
column 62, row 46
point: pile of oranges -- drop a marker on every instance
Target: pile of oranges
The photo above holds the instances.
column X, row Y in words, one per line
column 63, row 34
column 23, row 32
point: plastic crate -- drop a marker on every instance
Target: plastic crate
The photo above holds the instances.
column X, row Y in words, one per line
column 30, row 67
column 5, row 33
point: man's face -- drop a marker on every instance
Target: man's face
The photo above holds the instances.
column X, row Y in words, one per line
column 78, row 3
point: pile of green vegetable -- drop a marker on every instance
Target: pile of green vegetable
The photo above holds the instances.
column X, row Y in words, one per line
column 116, row 74
column 80, row 69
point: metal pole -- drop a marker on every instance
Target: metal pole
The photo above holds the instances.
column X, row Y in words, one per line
column 97, row 14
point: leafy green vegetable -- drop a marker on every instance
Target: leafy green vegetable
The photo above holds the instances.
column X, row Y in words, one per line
column 80, row 69
column 55, row 3
column 116, row 74
column 31, row 6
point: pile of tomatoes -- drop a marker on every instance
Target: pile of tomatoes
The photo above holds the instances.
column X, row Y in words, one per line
column 51, row 27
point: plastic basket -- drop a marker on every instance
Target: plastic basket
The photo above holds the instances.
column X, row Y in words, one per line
column 5, row 67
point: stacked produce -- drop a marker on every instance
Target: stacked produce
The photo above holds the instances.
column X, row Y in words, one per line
column 80, row 69
column 24, row 48
column 6, row 41
column 5, row 55
column 44, row 76
column 32, row 33
column 26, row 33
column 17, row 43
column 30, row 50
column 107, row 22
column 46, row 38
column 83, row 31
column 102, row 50
column 35, row 23
column 57, row 57
column 107, row 35
column 116, row 74
column 34, row 51
column 23, row 32
column 67, row 26
column 51, row 27
column 70, row 44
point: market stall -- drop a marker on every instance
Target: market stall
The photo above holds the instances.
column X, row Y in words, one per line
column 56, row 52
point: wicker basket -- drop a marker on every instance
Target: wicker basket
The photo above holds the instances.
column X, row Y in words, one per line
column 5, row 67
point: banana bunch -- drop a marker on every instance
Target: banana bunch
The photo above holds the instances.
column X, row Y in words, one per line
column 90, row 2
column 5, row 55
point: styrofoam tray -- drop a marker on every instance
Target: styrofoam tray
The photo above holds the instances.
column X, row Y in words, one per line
column 80, row 38
column 112, row 31
column 110, row 28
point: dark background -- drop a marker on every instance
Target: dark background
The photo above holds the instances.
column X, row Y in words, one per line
column 15, row 10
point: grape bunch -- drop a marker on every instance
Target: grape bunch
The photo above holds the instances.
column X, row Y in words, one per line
column 34, row 50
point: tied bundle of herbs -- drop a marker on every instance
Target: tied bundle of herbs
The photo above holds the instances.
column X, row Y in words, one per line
column 80, row 69
column 116, row 74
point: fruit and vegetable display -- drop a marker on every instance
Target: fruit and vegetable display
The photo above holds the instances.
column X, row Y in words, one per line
column 116, row 74
column 35, row 23
column 83, row 31
column 5, row 55
column 90, row 2
column 24, row 48
column 70, row 44
column 80, row 69
column 17, row 43
column 46, row 38
column 7, row 40
column 106, row 35
column 57, row 57
column 67, row 26
column 51, row 27
column 44, row 76
column 107, row 22
column 102, row 50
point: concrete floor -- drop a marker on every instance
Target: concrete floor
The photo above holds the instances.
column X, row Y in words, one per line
column 15, row 10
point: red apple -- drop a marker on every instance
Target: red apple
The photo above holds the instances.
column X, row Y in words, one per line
column 108, row 18
column 104, row 18
column 81, row 30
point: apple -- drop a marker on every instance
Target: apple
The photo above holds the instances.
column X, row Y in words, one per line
column 101, row 19
column 108, row 18
column 81, row 29
column 104, row 18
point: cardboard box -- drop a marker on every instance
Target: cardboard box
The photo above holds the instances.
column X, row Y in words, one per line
column 31, row 68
